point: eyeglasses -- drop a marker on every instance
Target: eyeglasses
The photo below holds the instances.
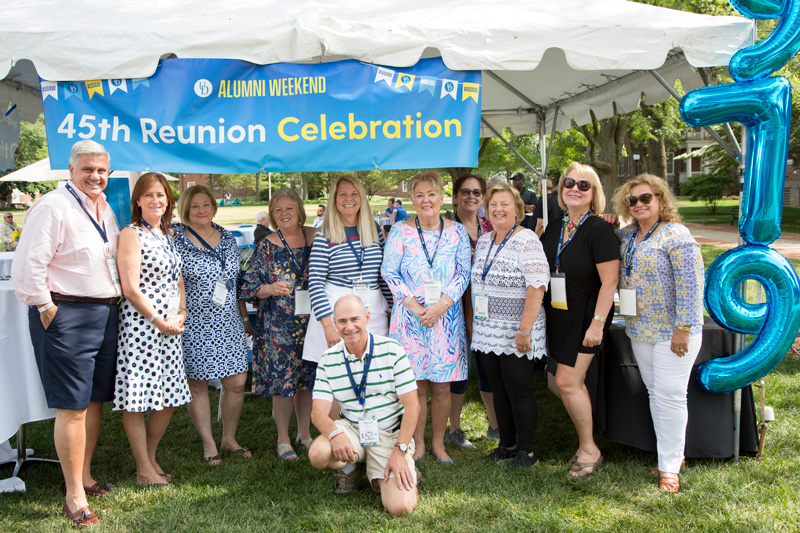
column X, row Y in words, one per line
column 468, row 192
column 645, row 198
column 583, row 185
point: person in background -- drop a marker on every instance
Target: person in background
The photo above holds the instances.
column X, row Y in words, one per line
column 426, row 264
column 509, row 277
column 583, row 254
column 262, row 227
column 73, row 314
column 389, row 208
column 528, row 198
column 554, row 212
column 663, row 265
column 320, row 216
column 7, row 229
column 150, row 369
column 398, row 213
column 214, row 342
column 468, row 193
column 228, row 198
column 278, row 280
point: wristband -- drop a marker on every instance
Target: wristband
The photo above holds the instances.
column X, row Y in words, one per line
column 682, row 328
column 599, row 318
column 46, row 307
column 152, row 317
column 335, row 432
column 523, row 334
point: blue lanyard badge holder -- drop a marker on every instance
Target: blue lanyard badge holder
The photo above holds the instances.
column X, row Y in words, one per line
column 360, row 287
column 481, row 305
column 627, row 296
column 367, row 424
column 558, row 280
column 302, row 298
column 221, row 286
column 174, row 299
column 432, row 288
column 111, row 261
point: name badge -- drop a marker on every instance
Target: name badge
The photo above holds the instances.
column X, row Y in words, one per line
column 368, row 430
column 627, row 302
column 111, row 262
column 432, row 292
column 173, row 304
column 362, row 291
column 220, row 293
column 481, row 310
column 302, row 302
column 558, row 291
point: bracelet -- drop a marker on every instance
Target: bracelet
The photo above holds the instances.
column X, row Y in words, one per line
column 183, row 309
column 335, row 432
column 46, row 307
column 152, row 317
column 447, row 305
column 682, row 328
column 519, row 331
column 599, row 318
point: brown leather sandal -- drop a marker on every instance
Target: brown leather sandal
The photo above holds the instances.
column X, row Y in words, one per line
column 668, row 484
column 655, row 472
column 82, row 518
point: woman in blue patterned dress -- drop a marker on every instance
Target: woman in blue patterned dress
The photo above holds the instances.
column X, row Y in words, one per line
column 214, row 342
column 150, row 371
column 663, row 266
column 426, row 264
column 278, row 279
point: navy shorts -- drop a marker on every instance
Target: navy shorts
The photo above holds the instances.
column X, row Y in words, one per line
column 460, row 387
column 77, row 354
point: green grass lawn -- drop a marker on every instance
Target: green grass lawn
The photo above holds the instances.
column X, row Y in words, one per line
column 697, row 213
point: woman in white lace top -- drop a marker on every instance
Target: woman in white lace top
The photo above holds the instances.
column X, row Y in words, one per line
column 509, row 276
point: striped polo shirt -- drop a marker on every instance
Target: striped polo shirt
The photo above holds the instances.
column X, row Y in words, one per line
column 335, row 263
column 389, row 376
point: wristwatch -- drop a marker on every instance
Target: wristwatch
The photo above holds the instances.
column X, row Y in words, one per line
column 402, row 447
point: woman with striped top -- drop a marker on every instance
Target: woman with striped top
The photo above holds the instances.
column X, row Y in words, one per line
column 345, row 259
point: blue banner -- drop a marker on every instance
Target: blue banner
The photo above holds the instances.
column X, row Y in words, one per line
column 229, row 116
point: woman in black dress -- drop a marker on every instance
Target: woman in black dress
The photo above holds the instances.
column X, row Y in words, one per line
column 583, row 253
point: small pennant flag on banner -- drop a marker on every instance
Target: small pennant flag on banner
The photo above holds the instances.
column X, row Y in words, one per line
column 405, row 80
column 135, row 82
column 384, row 74
column 94, row 87
column 449, row 88
column 49, row 89
column 470, row 90
column 426, row 83
column 73, row 88
column 117, row 85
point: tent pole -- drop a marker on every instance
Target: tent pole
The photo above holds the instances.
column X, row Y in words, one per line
column 545, row 160
column 725, row 146
column 507, row 144
column 513, row 90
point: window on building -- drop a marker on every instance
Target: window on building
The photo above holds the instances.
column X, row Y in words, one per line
column 405, row 186
column 190, row 184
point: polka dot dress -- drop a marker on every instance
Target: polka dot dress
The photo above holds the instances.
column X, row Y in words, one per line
column 150, row 370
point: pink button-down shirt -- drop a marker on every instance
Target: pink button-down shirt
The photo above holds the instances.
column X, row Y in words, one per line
column 62, row 251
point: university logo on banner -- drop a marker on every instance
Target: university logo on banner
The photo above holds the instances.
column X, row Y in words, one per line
column 227, row 116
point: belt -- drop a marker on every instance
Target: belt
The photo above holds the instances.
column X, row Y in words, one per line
column 84, row 299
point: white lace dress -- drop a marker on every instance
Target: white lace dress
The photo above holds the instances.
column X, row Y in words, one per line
column 519, row 265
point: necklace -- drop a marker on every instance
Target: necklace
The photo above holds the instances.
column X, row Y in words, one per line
column 429, row 229
column 571, row 226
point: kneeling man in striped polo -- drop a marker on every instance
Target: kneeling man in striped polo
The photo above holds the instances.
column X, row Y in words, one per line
column 371, row 378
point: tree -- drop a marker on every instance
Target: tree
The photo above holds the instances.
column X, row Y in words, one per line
column 605, row 140
column 376, row 180
column 709, row 188
column 32, row 147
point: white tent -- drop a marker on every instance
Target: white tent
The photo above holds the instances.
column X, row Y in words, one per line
column 41, row 171
column 540, row 58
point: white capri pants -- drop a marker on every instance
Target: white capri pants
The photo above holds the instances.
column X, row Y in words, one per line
column 666, row 377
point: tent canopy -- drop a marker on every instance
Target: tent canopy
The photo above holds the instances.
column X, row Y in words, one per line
column 537, row 56
column 41, row 171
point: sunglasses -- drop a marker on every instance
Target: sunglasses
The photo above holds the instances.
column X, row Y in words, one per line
column 645, row 198
column 468, row 192
column 583, row 185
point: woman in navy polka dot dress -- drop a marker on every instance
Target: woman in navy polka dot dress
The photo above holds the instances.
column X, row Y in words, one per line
column 150, row 371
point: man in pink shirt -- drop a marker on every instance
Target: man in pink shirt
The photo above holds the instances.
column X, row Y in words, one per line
column 65, row 271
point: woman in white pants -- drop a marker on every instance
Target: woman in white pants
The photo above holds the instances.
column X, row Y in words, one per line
column 661, row 295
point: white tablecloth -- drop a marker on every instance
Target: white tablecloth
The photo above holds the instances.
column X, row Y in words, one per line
column 21, row 396
column 5, row 263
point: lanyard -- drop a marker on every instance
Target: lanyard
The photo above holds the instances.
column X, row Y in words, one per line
column 359, row 259
column 562, row 244
column 173, row 256
column 100, row 230
column 422, row 240
column 299, row 267
column 471, row 242
column 360, row 391
column 488, row 264
column 631, row 251
column 220, row 257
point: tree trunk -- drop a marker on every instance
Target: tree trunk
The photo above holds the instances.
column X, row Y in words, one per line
column 303, row 186
column 606, row 138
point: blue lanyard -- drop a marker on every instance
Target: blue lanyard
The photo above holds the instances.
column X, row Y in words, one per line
column 422, row 240
column 100, row 230
column 360, row 391
column 359, row 259
column 299, row 267
column 471, row 242
column 173, row 256
column 220, row 258
column 631, row 251
column 488, row 264
column 562, row 244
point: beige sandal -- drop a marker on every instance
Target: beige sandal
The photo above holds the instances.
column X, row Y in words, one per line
column 582, row 469
column 286, row 452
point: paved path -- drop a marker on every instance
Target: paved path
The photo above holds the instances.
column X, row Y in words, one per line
column 728, row 237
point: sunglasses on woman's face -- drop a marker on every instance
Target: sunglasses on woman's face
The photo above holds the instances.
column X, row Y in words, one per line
column 645, row 198
column 468, row 192
column 583, row 185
